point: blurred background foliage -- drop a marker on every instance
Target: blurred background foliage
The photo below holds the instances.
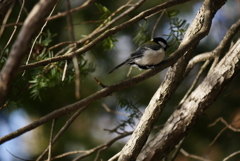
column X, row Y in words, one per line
column 39, row 91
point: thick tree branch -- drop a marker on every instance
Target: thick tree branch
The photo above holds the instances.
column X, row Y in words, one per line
column 198, row 29
column 33, row 22
column 182, row 120
column 218, row 51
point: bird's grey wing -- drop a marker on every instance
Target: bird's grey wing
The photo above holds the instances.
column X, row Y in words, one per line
column 153, row 46
column 139, row 52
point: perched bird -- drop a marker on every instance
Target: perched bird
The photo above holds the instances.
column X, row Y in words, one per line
column 148, row 55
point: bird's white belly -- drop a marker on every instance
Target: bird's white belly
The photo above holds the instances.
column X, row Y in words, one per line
column 151, row 57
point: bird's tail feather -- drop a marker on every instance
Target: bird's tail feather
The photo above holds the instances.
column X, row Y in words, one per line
column 117, row 67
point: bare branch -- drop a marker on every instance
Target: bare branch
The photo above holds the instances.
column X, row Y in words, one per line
column 5, row 11
column 227, row 126
column 50, row 140
column 214, row 140
column 74, row 59
column 100, row 83
column 204, row 66
column 198, row 58
column 63, row 129
column 14, row 30
column 63, row 14
column 157, row 22
column 230, row 156
column 95, row 149
column 39, row 34
column 113, row 111
column 178, row 147
column 115, row 157
column 218, row 51
column 193, row 156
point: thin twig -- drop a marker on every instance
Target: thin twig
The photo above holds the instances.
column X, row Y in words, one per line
column 112, row 15
column 129, row 71
column 103, row 146
column 204, row 66
column 217, row 52
column 65, row 70
column 225, row 43
column 103, row 26
column 6, row 16
column 63, row 14
column 178, row 147
column 13, row 24
column 193, row 156
column 216, row 137
column 17, row 156
column 15, row 27
column 231, row 155
column 50, row 141
column 215, row 62
column 113, row 111
column 39, row 34
column 77, row 77
column 115, row 157
column 74, row 59
column 100, row 83
column 227, row 126
column 67, row 62
column 93, row 150
column 61, row 43
column 197, row 59
column 157, row 22
column 63, row 129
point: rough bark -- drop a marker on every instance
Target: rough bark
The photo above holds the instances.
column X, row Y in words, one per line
column 198, row 29
column 183, row 118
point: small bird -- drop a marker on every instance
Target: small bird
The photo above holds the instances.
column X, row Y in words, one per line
column 146, row 56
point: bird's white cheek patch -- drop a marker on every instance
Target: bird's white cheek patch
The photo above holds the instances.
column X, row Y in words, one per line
column 162, row 44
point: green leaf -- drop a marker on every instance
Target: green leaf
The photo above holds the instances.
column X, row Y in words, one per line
column 108, row 43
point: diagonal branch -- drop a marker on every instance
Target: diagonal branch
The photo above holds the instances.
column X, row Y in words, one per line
column 198, row 29
column 183, row 118
column 63, row 14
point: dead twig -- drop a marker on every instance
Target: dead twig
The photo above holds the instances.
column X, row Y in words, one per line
column 193, row 156
column 100, row 83
column 231, row 155
column 227, row 126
